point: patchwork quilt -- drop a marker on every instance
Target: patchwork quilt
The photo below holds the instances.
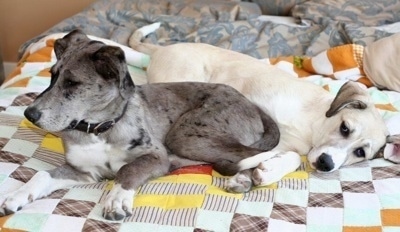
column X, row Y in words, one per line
column 361, row 197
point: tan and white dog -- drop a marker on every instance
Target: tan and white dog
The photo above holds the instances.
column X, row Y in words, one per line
column 333, row 131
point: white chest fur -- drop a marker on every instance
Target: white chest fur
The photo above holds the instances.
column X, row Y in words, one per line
column 96, row 157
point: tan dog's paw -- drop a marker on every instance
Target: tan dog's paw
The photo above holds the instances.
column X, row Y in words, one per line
column 12, row 202
column 262, row 175
column 118, row 203
column 274, row 169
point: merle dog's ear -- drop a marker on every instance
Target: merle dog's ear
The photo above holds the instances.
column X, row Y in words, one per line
column 392, row 148
column 111, row 65
column 350, row 95
column 74, row 37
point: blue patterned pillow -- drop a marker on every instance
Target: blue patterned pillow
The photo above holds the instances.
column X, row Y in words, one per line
column 362, row 12
column 275, row 7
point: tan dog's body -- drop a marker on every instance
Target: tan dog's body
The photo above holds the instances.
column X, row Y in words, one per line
column 332, row 131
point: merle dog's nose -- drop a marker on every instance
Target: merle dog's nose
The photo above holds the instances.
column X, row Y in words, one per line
column 32, row 114
column 325, row 163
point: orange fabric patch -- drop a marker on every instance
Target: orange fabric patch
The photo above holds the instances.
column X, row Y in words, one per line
column 21, row 83
column 342, row 57
column 45, row 73
column 282, row 58
column 307, row 65
column 387, row 107
column 42, row 55
column 365, row 81
column 290, row 59
column 390, row 217
column 195, row 169
column 362, row 229
column 50, row 42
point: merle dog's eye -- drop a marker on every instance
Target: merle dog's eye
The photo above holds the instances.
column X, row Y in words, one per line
column 70, row 83
column 344, row 130
column 359, row 152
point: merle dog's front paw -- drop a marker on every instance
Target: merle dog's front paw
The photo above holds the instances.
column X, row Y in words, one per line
column 118, row 203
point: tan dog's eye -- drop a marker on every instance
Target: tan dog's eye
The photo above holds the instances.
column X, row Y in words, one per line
column 359, row 152
column 344, row 130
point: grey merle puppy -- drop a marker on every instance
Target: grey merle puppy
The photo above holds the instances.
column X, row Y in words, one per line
column 113, row 129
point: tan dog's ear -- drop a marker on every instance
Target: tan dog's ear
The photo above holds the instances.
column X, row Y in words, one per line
column 392, row 149
column 74, row 37
column 350, row 95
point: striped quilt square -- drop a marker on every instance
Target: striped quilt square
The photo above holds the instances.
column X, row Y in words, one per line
column 172, row 188
column 58, row 194
column 358, row 186
column 379, row 173
column 179, row 217
column 74, row 208
column 33, row 135
column 245, row 223
column 9, row 120
column 23, row 174
column 333, row 200
column 146, row 214
column 94, row 225
column 260, row 195
column 219, row 182
column 24, row 99
column 292, row 183
column 9, row 157
column 48, row 156
column 220, row 203
column 289, row 213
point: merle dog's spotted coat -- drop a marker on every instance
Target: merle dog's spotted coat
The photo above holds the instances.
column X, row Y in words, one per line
column 114, row 129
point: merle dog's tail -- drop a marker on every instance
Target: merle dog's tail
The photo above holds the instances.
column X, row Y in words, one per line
column 271, row 134
column 135, row 39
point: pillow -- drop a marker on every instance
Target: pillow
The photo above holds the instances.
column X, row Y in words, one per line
column 275, row 7
column 362, row 12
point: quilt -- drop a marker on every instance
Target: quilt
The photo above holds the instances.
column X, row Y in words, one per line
column 361, row 197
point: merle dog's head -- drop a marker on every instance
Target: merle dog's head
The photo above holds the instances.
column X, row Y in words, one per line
column 89, row 82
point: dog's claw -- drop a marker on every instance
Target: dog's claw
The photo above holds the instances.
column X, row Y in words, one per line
column 114, row 215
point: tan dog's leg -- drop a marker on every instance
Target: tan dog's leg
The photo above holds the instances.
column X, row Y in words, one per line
column 274, row 169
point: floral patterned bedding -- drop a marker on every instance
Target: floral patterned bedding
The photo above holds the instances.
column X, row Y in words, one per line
column 361, row 197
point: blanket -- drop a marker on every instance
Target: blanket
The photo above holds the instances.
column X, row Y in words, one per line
column 361, row 197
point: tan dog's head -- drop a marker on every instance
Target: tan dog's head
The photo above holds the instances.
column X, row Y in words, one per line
column 352, row 131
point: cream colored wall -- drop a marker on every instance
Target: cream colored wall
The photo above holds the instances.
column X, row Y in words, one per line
column 21, row 20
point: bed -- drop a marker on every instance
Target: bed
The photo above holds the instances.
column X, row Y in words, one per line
column 324, row 42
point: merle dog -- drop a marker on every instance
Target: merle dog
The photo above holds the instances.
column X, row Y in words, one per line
column 113, row 129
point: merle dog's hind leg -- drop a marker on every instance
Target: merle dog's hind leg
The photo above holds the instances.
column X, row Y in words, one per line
column 40, row 185
column 222, row 152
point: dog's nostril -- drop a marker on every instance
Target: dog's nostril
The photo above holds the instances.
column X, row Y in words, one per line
column 32, row 114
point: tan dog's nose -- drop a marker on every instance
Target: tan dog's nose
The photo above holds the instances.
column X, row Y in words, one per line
column 324, row 163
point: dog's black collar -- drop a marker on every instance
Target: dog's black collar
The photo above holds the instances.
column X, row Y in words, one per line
column 95, row 128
